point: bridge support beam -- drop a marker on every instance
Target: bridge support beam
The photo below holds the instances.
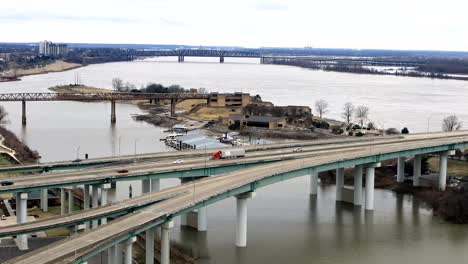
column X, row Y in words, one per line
column 117, row 254
column 145, row 186
column 149, row 245
column 155, row 185
column 221, row 59
column 62, row 200
column 241, row 223
column 357, row 195
column 104, row 191
column 313, row 183
column 401, row 169
column 370, row 179
column 165, row 242
column 22, row 218
column 94, row 203
column 173, row 106
column 111, row 255
column 113, row 118
column 417, row 170
column 443, row 170
column 86, row 199
column 45, row 200
column 71, row 199
column 23, row 113
column 339, row 184
column 202, row 219
column 128, row 250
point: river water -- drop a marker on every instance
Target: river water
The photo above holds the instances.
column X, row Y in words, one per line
column 285, row 225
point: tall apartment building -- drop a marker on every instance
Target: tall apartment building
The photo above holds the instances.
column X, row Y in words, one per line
column 48, row 48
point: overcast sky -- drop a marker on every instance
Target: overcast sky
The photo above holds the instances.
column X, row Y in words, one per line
column 395, row 24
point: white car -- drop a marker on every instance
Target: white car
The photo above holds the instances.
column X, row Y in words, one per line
column 179, row 161
column 298, row 149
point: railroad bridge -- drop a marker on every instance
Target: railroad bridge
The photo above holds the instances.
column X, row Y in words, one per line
column 182, row 53
column 86, row 97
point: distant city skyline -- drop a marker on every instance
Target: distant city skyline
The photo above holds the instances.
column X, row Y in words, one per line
column 359, row 24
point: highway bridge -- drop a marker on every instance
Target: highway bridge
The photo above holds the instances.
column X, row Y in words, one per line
column 89, row 97
column 158, row 208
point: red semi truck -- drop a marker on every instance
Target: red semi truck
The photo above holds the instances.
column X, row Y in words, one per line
column 227, row 154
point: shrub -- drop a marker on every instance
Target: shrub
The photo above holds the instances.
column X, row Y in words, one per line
column 392, row 131
column 359, row 134
column 405, row 130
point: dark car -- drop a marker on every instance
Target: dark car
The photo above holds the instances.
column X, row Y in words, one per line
column 6, row 183
column 122, row 171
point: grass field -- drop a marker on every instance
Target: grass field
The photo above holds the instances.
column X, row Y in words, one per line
column 454, row 167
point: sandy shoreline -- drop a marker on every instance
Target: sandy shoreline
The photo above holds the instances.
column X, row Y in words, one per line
column 58, row 66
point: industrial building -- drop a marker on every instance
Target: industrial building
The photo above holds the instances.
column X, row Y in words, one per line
column 48, row 48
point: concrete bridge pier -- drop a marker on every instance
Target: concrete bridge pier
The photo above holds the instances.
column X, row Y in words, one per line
column 71, row 199
column 357, row 195
column 113, row 118
column 104, row 189
column 45, row 200
column 339, row 184
column 145, row 186
column 370, row 179
column 149, row 245
column 155, row 185
column 95, row 203
column 313, row 183
column 86, row 199
column 117, row 254
column 128, row 250
column 221, row 59
column 22, row 218
column 62, row 200
column 181, row 58
column 443, row 170
column 202, row 219
column 241, row 224
column 173, row 106
column 401, row 169
column 23, row 113
column 417, row 170
column 165, row 242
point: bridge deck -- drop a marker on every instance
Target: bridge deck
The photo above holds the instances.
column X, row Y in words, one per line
column 209, row 190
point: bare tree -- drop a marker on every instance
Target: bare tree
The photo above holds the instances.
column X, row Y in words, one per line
column 451, row 123
column 3, row 116
column 362, row 114
column 321, row 106
column 117, row 84
column 348, row 111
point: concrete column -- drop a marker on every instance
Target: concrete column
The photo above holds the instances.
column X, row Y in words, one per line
column 241, row 223
column 221, row 59
column 313, row 183
column 86, row 197
column 145, row 186
column 23, row 113
column 22, row 218
column 149, row 245
column 202, row 223
column 44, row 200
column 370, row 178
column 155, row 185
column 416, row 170
column 71, row 199
column 113, row 118
column 339, row 184
column 401, row 169
column 173, row 103
column 104, row 189
column 128, row 250
column 165, row 242
column 357, row 199
column 118, row 254
column 183, row 219
column 111, row 255
column 94, row 203
column 62, row 201
column 443, row 170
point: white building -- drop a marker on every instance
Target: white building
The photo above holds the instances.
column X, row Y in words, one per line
column 49, row 48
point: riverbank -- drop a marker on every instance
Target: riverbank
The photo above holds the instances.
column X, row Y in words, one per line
column 21, row 152
column 57, row 66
